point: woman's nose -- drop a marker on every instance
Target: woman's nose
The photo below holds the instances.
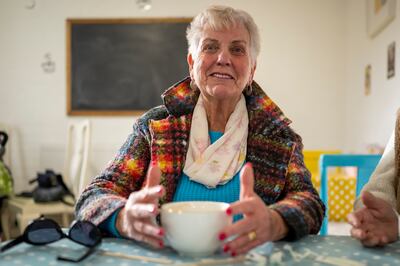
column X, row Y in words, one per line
column 223, row 58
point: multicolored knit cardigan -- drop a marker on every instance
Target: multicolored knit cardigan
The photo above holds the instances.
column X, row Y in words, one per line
column 162, row 135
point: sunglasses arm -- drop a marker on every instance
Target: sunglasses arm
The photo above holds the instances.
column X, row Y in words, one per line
column 13, row 243
column 84, row 256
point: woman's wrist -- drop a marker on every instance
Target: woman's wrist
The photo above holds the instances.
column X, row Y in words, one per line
column 119, row 222
column 279, row 226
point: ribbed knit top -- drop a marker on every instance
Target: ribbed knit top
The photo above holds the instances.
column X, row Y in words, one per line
column 188, row 190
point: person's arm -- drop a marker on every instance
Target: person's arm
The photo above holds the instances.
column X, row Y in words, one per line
column 126, row 173
column 301, row 207
column 263, row 223
column 382, row 181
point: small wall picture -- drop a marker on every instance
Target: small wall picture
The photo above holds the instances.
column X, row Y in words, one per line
column 367, row 81
column 379, row 14
column 48, row 65
column 391, row 60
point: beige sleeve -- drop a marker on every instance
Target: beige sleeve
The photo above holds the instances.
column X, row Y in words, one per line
column 382, row 181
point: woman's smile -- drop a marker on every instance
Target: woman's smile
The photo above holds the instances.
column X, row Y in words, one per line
column 221, row 76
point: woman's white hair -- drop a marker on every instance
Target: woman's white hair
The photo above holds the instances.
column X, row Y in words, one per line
column 222, row 17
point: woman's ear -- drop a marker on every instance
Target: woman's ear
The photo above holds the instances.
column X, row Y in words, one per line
column 190, row 62
column 252, row 71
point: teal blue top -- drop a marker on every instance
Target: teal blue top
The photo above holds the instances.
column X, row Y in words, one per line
column 188, row 190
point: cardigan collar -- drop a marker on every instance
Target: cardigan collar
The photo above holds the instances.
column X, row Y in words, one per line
column 265, row 116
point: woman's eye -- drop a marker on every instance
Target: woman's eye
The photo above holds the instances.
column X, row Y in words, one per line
column 210, row 48
column 238, row 50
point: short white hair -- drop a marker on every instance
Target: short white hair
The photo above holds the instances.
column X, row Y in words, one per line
column 222, row 17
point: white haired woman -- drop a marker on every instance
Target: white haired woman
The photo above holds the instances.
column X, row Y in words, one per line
column 217, row 137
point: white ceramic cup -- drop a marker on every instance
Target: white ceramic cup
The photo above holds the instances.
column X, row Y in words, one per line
column 192, row 227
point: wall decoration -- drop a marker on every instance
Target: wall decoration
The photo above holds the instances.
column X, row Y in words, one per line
column 367, row 80
column 391, row 60
column 48, row 66
column 122, row 66
column 144, row 5
column 30, row 4
column 379, row 14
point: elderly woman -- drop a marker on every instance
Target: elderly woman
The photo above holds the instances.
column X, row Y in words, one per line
column 213, row 125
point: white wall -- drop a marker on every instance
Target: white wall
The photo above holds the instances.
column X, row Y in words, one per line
column 301, row 66
column 369, row 119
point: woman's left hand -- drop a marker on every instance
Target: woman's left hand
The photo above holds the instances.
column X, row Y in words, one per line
column 259, row 224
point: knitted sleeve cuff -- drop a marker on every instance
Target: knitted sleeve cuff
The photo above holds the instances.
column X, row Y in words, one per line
column 109, row 224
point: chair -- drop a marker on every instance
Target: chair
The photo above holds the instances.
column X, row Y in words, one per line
column 365, row 166
column 311, row 160
column 74, row 173
column 77, row 156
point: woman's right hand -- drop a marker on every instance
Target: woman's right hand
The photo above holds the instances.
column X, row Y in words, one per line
column 137, row 219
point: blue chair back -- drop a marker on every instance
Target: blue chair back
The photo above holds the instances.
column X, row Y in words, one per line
column 365, row 164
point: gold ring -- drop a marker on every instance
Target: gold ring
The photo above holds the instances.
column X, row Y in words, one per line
column 252, row 235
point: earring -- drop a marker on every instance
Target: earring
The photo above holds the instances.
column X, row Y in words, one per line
column 249, row 89
column 193, row 85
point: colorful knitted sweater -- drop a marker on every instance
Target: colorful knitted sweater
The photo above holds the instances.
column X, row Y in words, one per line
column 162, row 135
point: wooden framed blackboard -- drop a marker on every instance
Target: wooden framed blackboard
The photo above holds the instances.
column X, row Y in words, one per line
column 122, row 66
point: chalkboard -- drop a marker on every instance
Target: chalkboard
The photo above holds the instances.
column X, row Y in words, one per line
column 122, row 66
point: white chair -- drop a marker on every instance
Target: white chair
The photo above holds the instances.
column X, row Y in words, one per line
column 77, row 156
column 75, row 175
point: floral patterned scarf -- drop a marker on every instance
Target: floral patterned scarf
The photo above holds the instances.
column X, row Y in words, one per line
column 216, row 164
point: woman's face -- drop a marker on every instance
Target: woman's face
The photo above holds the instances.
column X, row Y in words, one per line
column 223, row 66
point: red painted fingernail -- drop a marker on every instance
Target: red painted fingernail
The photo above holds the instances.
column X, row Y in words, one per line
column 249, row 164
column 161, row 232
column 229, row 211
column 222, row 236
column 161, row 243
column 233, row 254
column 154, row 163
column 226, row 248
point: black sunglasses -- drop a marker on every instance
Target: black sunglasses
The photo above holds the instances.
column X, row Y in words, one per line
column 44, row 231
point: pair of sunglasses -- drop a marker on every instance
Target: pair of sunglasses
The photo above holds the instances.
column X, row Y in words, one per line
column 44, row 231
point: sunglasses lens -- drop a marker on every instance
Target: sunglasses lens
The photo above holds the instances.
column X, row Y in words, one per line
column 85, row 233
column 43, row 232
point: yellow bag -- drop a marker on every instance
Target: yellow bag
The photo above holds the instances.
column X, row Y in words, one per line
column 5, row 181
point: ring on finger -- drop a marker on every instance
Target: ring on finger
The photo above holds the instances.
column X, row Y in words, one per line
column 252, row 235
